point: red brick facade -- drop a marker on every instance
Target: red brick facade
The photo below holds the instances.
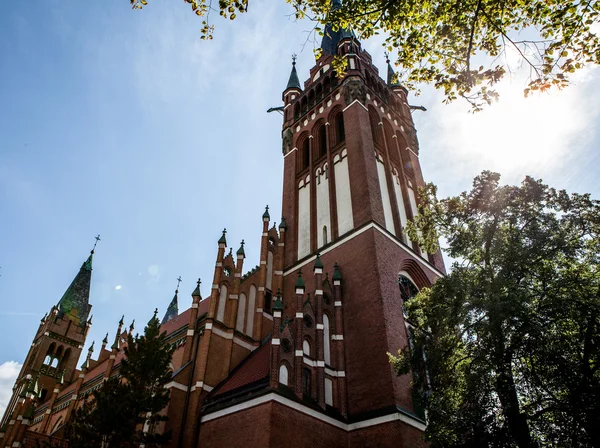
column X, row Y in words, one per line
column 294, row 351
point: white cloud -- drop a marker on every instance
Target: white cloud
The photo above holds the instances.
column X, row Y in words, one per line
column 8, row 374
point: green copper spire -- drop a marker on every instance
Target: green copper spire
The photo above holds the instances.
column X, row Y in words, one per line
column 105, row 340
column 318, row 262
column 223, row 240
column 336, row 273
column 74, row 304
column 241, row 250
column 196, row 292
column 331, row 38
column 172, row 310
column 278, row 304
column 266, row 213
column 154, row 318
column 283, row 224
column 294, row 81
column 299, row 281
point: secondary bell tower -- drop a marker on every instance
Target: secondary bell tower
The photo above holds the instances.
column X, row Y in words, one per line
column 351, row 179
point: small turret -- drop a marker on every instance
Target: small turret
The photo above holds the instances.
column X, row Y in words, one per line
column 196, row 292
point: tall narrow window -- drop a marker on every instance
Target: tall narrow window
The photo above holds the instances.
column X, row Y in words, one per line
column 283, row 374
column 407, row 290
column 322, row 136
column 325, row 235
column 305, row 153
column 306, row 347
column 375, row 131
column 222, row 301
column 241, row 313
column 328, row 392
column 306, row 381
column 326, row 339
column 340, row 133
column 251, row 310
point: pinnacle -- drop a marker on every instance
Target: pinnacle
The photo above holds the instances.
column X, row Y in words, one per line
column 196, row 292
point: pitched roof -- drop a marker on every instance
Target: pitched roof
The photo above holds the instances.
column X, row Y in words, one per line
column 254, row 368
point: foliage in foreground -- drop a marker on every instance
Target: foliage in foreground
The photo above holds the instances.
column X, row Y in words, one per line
column 125, row 410
column 463, row 47
column 506, row 347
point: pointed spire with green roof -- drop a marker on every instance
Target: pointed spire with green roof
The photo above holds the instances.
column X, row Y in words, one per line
column 196, row 292
column 300, row 281
column 336, row 273
column 294, row 81
column 278, row 304
column 266, row 215
column 331, row 38
column 318, row 262
column 74, row 304
column 154, row 318
column 223, row 240
column 172, row 310
column 241, row 250
column 282, row 224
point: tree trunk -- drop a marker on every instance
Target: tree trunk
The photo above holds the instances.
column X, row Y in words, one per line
column 516, row 421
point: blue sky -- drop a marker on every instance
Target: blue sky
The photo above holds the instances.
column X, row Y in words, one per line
column 126, row 124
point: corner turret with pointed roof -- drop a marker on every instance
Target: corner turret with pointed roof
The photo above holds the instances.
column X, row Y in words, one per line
column 294, row 81
column 196, row 292
column 223, row 240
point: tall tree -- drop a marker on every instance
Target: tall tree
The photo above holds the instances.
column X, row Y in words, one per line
column 125, row 410
column 146, row 367
column 463, row 47
column 509, row 341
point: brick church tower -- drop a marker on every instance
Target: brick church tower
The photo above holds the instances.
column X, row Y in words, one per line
column 52, row 358
column 293, row 352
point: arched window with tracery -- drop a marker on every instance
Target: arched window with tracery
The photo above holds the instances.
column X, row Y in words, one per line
column 408, row 290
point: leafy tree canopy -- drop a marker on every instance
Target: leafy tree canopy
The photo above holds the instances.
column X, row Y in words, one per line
column 506, row 348
column 459, row 47
column 126, row 409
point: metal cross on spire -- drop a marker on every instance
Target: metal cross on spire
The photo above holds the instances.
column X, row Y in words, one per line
column 97, row 239
column 178, row 282
column 387, row 57
column 294, row 57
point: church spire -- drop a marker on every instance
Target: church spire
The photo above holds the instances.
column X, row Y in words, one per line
column 391, row 75
column 294, row 81
column 173, row 309
column 74, row 304
column 331, row 38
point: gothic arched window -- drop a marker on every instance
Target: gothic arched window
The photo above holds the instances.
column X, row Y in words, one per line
column 340, row 133
column 283, row 374
column 304, row 155
column 408, row 290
